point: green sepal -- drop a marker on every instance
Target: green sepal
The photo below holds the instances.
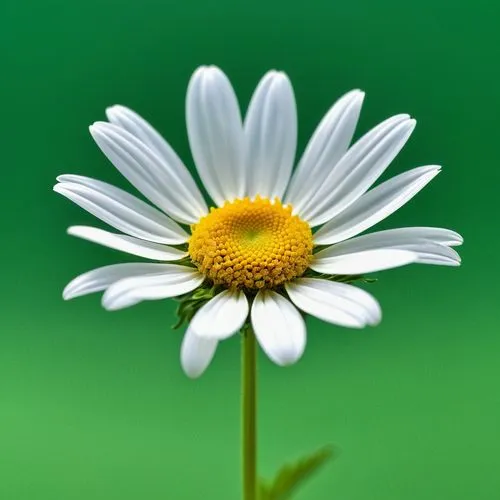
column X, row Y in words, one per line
column 191, row 302
column 291, row 476
column 339, row 278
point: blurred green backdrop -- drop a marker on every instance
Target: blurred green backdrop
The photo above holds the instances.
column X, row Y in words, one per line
column 93, row 405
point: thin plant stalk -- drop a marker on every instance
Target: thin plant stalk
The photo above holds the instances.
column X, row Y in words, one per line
column 249, row 407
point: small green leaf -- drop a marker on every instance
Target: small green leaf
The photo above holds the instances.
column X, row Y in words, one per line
column 290, row 476
column 191, row 302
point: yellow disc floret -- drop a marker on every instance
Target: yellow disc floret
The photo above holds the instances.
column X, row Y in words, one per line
column 251, row 244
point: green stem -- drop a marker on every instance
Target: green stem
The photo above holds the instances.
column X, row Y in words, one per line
column 249, row 403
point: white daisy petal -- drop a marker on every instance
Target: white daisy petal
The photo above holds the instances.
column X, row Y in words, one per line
column 127, row 244
column 429, row 244
column 279, row 327
column 215, row 134
column 327, row 145
column 375, row 205
column 337, row 303
column 360, row 262
column 392, row 238
column 120, row 209
column 270, row 136
column 403, row 235
column 149, row 173
column 222, row 316
column 196, row 353
column 140, row 128
column 433, row 253
column 358, row 169
column 99, row 279
column 173, row 281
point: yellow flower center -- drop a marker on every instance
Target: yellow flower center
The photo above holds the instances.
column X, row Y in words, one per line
column 251, row 244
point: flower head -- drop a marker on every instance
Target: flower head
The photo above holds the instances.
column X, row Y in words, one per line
column 274, row 242
column 251, row 244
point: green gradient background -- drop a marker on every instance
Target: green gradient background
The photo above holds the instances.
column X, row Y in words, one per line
column 93, row 405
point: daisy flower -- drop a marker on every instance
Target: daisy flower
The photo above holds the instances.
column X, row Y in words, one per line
column 273, row 243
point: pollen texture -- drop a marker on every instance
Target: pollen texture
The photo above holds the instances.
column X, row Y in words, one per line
column 251, row 244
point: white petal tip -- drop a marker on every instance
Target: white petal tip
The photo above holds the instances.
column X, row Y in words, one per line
column 109, row 303
column 432, row 171
column 357, row 94
column 403, row 122
column 279, row 75
column 206, row 70
column 376, row 320
column 71, row 291
column 113, row 111
column 455, row 239
column 203, row 67
column 275, row 77
column 116, row 107
column 196, row 354
column 434, row 168
column 447, row 263
column 371, row 321
column 99, row 126
column 288, row 359
column 353, row 326
column 282, row 364
column 60, row 188
column 110, row 306
column 192, row 373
